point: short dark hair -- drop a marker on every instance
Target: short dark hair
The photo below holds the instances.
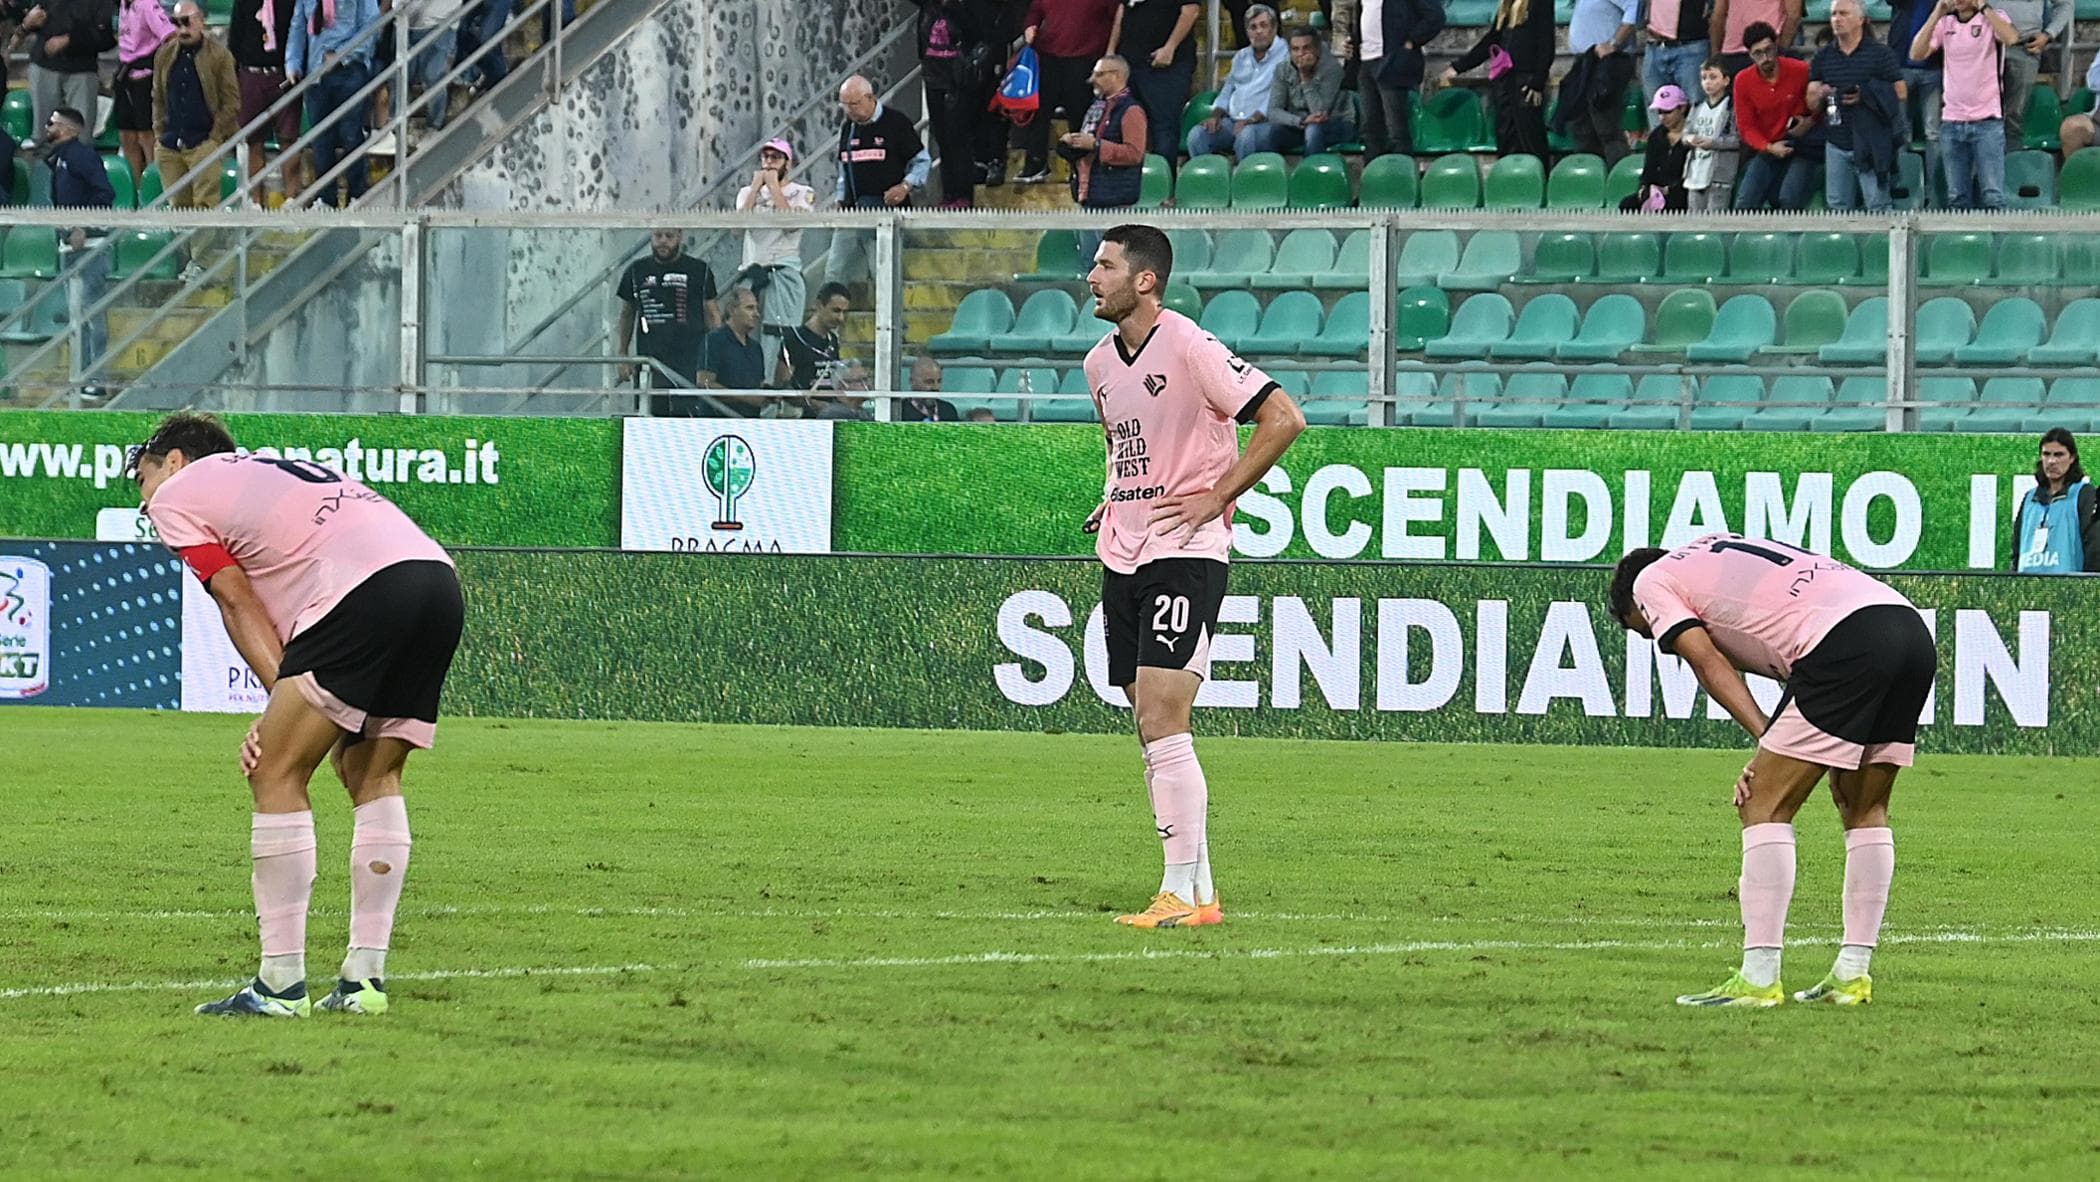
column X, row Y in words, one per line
column 832, row 291
column 1304, row 31
column 2073, row 474
column 72, row 116
column 1146, row 247
column 1760, row 31
column 1716, row 62
column 194, row 435
column 1622, row 577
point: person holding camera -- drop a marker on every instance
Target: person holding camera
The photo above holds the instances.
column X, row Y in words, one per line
column 2056, row 528
column 772, row 264
column 1857, row 83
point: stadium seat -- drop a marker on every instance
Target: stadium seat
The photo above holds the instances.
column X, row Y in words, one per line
column 1320, row 182
column 1424, row 314
column 1452, row 120
column 150, row 185
column 1302, row 258
column 1613, row 325
column 18, row 115
column 1425, row 256
column 1074, row 404
column 1526, row 397
column 1761, row 258
column 1324, row 412
column 1389, row 182
column 1459, row 397
column 1546, row 323
column 46, row 317
column 1793, row 403
column 1744, row 326
column 1813, row 319
column 1827, row 258
column 1684, row 316
column 1056, row 259
column 2081, row 100
column 1593, row 399
column 1157, row 186
column 1261, row 181
column 1957, row 260
column 2030, row 180
column 1479, row 324
column 1695, row 258
column 1909, row 192
column 31, row 252
column 1865, row 340
column 1191, row 250
column 2027, row 260
column 1944, row 325
column 1624, row 178
column 1182, row 297
column 1197, row 111
column 1659, row 399
column 2007, row 403
column 229, row 181
column 1469, row 14
column 968, row 380
column 1352, row 264
column 1516, row 183
column 1231, row 316
column 1561, row 258
column 982, row 315
column 1022, row 379
column 1491, row 257
column 1342, row 395
column 1624, row 259
column 1347, row 330
column 2081, row 259
column 2071, row 402
column 1944, row 389
column 1290, row 320
column 1452, row 182
column 119, row 171
column 1238, row 258
column 1205, row 182
column 1577, row 182
column 1873, row 262
column 2010, row 327
column 2075, row 339
column 1047, row 316
column 1860, row 406
column 2078, row 185
column 2045, row 116
column 1733, row 389
column 135, row 251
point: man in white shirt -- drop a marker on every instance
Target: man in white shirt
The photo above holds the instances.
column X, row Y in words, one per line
column 773, row 257
column 1238, row 120
column 433, row 31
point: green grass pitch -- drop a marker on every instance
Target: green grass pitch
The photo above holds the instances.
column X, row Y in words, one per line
column 662, row 951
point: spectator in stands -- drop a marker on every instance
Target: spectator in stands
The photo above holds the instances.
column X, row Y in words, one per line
column 1153, row 36
column 1385, row 37
column 1308, row 109
column 1771, row 115
column 1002, row 19
column 2056, row 528
column 773, row 258
column 9, row 145
column 813, row 357
column 1069, row 36
column 1238, row 121
column 1679, row 42
column 1921, row 79
column 881, row 164
column 981, row 414
column 79, row 181
column 1709, row 174
column 668, row 298
column 956, row 56
column 2079, row 131
column 2040, row 23
column 1662, row 171
column 1592, row 104
column 433, row 32
column 66, row 39
column 482, row 25
column 1518, row 51
column 1107, row 153
column 1731, row 24
column 731, row 357
column 1855, row 81
column 196, row 107
column 926, row 381
column 257, row 36
column 323, row 33
column 142, row 25
column 1969, row 37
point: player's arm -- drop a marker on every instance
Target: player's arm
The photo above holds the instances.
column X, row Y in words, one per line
column 1722, row 680
column 247, row 623
column 1277, row 421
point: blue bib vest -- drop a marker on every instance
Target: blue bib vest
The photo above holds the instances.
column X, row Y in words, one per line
column 2051, row 542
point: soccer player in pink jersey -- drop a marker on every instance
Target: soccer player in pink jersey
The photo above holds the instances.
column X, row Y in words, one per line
column 1171, row 398
column 1858, row 664
column 349, row 614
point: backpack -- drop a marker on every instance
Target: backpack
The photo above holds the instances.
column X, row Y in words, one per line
column 1020, row 96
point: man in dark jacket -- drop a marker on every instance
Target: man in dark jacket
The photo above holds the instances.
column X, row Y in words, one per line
column 1386, row 37
column 959, row 66
column 1157, row 38
column 1858, row 78
column 66, row 38
column 1108, row 150
column 79, row 181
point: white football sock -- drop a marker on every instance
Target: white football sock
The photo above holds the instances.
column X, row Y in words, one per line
column 1761, row 966
column 1180, row 878
column 1206, row 890
column 1852, row 961
column 280, row 973
column 364, row 964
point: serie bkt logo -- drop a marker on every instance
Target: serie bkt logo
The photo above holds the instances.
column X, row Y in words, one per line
column 25, row 627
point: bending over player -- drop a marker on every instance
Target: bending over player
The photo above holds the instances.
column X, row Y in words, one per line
column 349, row 615
column 1170, row 398
column 1858, row 664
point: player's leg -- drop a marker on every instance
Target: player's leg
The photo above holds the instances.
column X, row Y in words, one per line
column 1870, row 865
column 1778, row 784
column 370, row 770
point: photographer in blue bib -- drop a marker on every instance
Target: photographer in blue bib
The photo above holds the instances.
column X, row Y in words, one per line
column 2056, row 529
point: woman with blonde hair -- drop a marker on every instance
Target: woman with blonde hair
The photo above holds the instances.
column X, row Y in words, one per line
column 1518, row 50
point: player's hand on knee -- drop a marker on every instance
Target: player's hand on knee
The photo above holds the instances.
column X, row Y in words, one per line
column 1743, row 785
column 251, row 748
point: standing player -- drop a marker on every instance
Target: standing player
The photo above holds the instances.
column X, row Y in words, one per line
column 349, row 615
column 1170, row 396
column 1858, row 664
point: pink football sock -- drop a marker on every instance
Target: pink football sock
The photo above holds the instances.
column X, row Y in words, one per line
column 1767, row 885
column 1180, row 797
column 378, row 862
column 1870, row 864
column 282, row 845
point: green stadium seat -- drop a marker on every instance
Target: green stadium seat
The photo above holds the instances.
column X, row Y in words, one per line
column 2078, row 185
column 1683, row 317
column 1633, row 115
column 1761, row 258
column 1860, row 406
column 1320, row 182
column 1389, row 182
column 1047, row 316
column 1659, row 400
column 1814, row 318
column 982, row 315
column 18, row 115
column 18, row 181
column 1469, row 14
column 1205, row 182
column 1546, row 323
column 1577, row 182
column 1873, row 262
column 2045, row 116
column 2081, row 100
column 1426, row 256
column 1021, row 379
column 1231, row 316
column 1452, row 120
column 2027, row 260
column 2075, row 339
column 1237, row 259
column 1295, row 382
column 1526, row 397
column 1944, row 325
column 1910, row 192
column 1056, row 259
column 151, row 185
column 1352, row 264
column 2030, row 180
column 1191, row 250
column 1624, row 259
column 1156, row 187
column 1452, row 182
column 2010, row 327
column 1944, row 390
column 135, row 251
column 1613, row 325
column 1732, row 389
column 1074, row 404
column 1340, row 395
column 119, row 171
column 1558, row 143
column 1593, row 398
column 31, row 252
column 1347, row 331
column 1423, row 315
column 1302, row 258
column 1323, row 412
column 2071, row 402
column 1827, row 258
column 2081, row 259
column 1624, row 178
column 1865, row 340
column 1289, row 321
column 1479, row 324
column 1459, row 397
column 1793, row 403
column 1957, row 260
column 1561, row 259
column 1197, row 111
column 1695, row 258
column 229, row 181
column 1744, row 327
column 1182, row 297
column 1261, row 181
column 45, row 318
column 1516, row 182
column 1491, row 257
column 2007, row 403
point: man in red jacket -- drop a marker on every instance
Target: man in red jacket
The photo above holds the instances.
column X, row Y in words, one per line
column 1069, row 36
column 1771, row 113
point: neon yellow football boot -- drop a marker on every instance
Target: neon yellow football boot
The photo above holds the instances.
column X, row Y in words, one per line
column 1831, row 991
column 1736, row 991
